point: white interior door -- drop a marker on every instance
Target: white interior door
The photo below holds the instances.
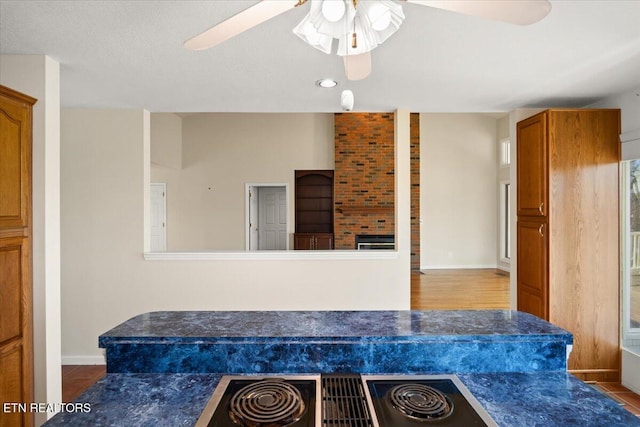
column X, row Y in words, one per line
column 272, row 218
column 252, row 239
column 158, row 217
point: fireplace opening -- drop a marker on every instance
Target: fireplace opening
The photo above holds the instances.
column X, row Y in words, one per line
column 375, row 242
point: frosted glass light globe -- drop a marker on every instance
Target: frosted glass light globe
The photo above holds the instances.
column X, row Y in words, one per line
column 380, row 16
column 347, row 100
column 333, row 10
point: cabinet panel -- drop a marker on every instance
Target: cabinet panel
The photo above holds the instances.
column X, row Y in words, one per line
column 303, row 241
column 12, row 386
column 324, row 241
column 532, row 167
column 11, row 260
column 533, row 267
column 15, row 162
column 313, row 241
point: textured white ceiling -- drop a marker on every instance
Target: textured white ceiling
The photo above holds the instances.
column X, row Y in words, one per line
column 129, row 54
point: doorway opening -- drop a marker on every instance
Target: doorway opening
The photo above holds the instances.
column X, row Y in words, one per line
column 266, row 216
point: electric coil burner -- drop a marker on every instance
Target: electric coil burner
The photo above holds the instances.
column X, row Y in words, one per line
column 266, row 403
column 343, row 400
column 421, row 402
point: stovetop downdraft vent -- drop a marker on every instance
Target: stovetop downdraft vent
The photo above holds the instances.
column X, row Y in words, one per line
column 343, row 402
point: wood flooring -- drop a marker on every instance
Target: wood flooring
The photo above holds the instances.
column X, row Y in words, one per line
column 460, row 289
column 432, row 290
column 77, row 378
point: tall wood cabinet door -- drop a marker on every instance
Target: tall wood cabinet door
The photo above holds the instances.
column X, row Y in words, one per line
column 533, row 268
column 532, row 166
column 16, row 342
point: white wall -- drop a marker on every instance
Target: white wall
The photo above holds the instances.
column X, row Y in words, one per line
column 458, row 191
column 39, row 77
column 106, row 279
column 224, row 151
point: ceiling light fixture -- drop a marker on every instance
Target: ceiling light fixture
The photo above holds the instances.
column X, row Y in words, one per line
column 326, row 83
column 358, row 26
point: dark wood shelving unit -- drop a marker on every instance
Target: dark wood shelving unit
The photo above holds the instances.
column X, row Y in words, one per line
column 313, row 209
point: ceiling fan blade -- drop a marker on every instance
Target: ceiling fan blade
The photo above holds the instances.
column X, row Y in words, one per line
column 248, row 18
column 357, row 67
column 520, row 12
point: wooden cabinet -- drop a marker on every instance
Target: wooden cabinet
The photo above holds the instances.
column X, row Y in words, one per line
column 532, row 171
column 313, row 209
column 313, row 241
column 568, row 231
column 16, row 341
column 533, row 262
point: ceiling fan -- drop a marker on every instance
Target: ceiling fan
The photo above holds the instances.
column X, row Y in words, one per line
column 360, row 25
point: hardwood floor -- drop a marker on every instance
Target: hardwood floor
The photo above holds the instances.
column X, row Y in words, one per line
column 625, row 397
column 460, row 289
column 433, row 290
column 77, row 378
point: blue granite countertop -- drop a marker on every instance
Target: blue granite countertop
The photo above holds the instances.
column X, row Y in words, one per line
column 235, row 326
column 549, row 399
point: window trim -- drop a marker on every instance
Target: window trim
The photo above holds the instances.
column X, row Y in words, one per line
column 505, row 152
column 628, row 333
column 505, row 225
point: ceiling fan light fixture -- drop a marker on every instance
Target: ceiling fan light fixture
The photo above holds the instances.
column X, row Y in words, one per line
column 333, row 10
column 372, row 21
column 310, row 35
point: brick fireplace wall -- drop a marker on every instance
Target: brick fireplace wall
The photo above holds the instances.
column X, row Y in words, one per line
column 414, row 125
column 364, row 179
column 364, row 176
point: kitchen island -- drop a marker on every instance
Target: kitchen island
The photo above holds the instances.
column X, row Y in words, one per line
column 336, row 341
column 163, row 366
column 531, row 399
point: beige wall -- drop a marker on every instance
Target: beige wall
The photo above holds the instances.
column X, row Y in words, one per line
column 503, row 176
column 106, row 279
column 221, row 152
column 458, row 192
column 166, row 140
column 39, row 77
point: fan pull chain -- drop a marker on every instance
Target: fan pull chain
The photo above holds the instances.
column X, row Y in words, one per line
column 354, row 37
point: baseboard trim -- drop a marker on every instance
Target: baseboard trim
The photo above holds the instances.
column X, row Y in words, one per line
column 83, row 360
column 458, row 267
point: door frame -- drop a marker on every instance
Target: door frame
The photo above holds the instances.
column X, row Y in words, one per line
column 251, row 188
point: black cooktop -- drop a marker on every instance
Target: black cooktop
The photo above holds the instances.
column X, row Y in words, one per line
column 272, row 402
column 343, row 400
column 411, row 402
